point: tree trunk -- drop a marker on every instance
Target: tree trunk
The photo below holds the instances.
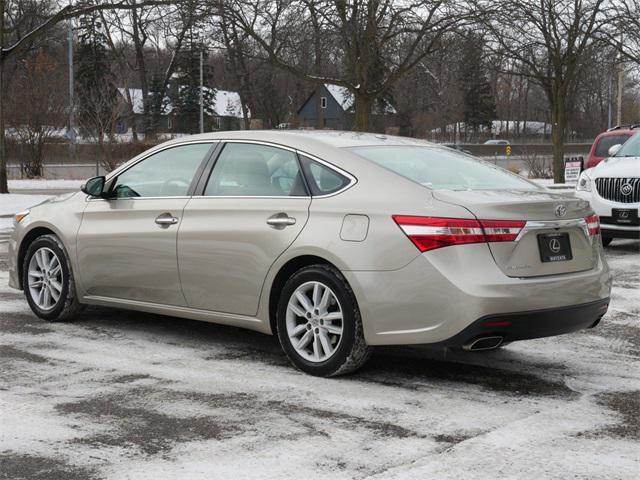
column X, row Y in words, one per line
column 363, row 109
column 558, row 126
column 4, row 188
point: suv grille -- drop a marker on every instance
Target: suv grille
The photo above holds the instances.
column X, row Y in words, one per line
column 622, row 190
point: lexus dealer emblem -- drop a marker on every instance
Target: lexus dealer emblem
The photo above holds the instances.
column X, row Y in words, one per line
column 626, row 189
column 561, row 210
column 623, row 214
column 554, row 245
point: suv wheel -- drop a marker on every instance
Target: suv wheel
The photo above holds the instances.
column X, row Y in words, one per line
column 319, row 323
column 47, row 280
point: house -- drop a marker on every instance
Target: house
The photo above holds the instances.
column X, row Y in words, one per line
column 225, row 113
column 332, row 107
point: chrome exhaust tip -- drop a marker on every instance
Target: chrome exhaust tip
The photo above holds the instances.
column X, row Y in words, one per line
column 483, row 343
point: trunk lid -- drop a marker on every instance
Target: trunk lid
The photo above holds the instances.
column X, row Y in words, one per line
column 548, row 215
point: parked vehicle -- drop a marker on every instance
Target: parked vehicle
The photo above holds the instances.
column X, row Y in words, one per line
column 334, row 241
column 613, row 189
column 604, row 141
column 497, row 142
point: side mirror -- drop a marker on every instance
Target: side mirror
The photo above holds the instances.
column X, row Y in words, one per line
column 614, row 149
column 94, row 186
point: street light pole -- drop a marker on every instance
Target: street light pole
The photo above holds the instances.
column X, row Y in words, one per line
column 201, row 91
column 70, row 130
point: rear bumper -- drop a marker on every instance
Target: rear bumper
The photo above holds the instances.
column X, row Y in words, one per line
column 533, row 324
column 443, row 292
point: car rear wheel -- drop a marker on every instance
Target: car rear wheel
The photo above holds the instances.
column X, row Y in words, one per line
column 47, row 280
column 319, row 323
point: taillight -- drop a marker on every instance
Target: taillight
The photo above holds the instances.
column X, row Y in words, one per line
column 593, row 224
column 429, row 233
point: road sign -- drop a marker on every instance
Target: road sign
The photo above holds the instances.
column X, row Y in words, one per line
column 508, row 150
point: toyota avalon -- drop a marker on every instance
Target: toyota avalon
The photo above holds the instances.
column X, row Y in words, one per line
column 334, row 241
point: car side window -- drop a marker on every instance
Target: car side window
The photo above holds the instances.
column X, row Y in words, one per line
column 164, row 174
column 247, row 169
column 322, row 179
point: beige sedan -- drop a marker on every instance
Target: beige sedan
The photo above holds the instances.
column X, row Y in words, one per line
column 334, row 241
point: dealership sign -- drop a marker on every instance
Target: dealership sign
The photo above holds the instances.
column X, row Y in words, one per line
column 572, row 169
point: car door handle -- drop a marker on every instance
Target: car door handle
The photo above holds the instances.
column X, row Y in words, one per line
column 280, row 220
column 166, row 219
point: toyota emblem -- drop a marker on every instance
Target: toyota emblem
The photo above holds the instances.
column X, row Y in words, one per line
column 561, row 210
column 626, row 189
column 554, row 245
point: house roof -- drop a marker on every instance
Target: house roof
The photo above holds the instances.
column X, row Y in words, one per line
column 346, row 100
column 342, row 95
column 226, row 103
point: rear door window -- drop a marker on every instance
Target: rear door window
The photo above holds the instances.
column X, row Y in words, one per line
column 255, row 170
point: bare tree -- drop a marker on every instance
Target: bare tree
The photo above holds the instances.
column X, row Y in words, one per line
column 22, row 40
column 101, row 115
column 35, row 109
column 547, row 41
column 375, row 43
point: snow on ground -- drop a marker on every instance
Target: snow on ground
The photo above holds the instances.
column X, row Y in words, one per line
column 44, row 184
column 131, row 395
column 11, row 203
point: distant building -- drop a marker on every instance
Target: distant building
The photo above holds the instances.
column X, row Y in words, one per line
column 332, row 107
column 226, row 113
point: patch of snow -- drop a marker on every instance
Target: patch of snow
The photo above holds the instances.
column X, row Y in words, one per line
column 226, row 103
column 11, row 203
column 44, row 184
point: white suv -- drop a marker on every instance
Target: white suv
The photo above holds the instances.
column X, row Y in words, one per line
column 613, row 189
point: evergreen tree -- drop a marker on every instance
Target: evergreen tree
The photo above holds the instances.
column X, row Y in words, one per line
column 96, row 92
column 479, row 102
column 186, row 88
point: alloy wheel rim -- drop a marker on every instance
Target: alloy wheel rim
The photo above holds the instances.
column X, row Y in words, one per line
column 314, row 321
column 45, row 278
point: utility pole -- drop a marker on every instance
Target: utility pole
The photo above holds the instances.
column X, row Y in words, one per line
column 620, row 81
column 201, row 91
column 610, row 99
column 70, row 129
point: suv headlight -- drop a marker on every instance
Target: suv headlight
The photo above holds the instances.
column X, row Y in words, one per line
column 584, row 183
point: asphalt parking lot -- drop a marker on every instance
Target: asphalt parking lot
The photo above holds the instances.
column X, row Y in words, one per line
column 125, row 395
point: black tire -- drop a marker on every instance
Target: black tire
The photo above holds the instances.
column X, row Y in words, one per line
column 606, row 241
column 67, row 306
column 352, row 351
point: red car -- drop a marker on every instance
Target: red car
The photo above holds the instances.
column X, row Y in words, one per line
column 603, row 142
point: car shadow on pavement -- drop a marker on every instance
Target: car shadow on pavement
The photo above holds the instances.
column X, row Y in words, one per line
column 406, row 367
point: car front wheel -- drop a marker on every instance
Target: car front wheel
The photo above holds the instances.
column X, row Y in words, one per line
column 319, row 323
column 47, row 280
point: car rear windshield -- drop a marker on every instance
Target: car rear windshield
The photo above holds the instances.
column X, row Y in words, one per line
column 442, row 168
column 605, row 143
column 630, row 148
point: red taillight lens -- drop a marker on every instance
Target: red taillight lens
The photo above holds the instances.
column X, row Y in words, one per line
column 593, row 224
column 501, row 230
column 429, row 233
